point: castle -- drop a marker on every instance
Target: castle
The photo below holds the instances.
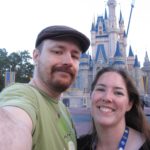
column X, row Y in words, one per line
column 109, row 47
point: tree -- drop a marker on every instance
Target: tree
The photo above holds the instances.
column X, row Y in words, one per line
column 3, row 65
column 19, row 62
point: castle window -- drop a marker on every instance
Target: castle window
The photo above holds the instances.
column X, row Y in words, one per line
column 100, row 30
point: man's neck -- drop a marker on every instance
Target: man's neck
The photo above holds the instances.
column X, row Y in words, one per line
column 41, row 86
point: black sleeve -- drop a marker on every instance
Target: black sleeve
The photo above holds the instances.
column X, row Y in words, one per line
column 84, row 142
column 145, row 146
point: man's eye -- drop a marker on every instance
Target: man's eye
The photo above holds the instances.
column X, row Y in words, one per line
column 76, row 57
column 57, row 52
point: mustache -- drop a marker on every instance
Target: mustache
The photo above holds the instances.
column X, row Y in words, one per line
column 64, row 68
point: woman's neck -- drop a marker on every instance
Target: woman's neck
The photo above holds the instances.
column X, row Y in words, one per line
column 109, row 137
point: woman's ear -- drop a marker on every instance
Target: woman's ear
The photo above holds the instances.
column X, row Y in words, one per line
column 130, row 104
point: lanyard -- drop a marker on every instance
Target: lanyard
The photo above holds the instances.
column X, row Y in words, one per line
column 123, row 140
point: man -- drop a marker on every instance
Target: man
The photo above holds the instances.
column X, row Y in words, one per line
column 31, row 115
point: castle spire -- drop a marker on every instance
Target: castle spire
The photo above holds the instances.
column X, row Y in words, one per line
column 146, row 57
column 130, row 52
column 113, row 30
column 93, row 27
column 112, row 14
column 106, row 17
column 118, row 53
column 146, row 63
column 121, row 20
column 136, row 62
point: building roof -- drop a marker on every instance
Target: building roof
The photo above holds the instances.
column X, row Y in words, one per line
column 136, row 62
column 100, row 53
column 118, row 52
column 130, row 52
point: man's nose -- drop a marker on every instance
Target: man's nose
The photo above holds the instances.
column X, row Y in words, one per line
column 67, row 59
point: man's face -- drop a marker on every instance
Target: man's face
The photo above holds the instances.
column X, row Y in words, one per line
column 57, row 64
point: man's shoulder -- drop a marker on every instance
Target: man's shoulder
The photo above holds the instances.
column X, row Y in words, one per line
column 17, row 89
column 17, row 86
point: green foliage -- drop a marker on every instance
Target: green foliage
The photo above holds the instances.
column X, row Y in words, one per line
column 3, row 66
column 19, row 62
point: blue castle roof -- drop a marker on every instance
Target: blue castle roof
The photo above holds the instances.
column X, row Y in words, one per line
column 136, row 62
column 100, row 52
column 118, row 52
column 130, row 52
column 93, row 27
column 100, row 19
column 118, row 56
column 124, row 34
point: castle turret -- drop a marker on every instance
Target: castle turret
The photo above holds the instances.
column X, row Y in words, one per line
column 125, row 39
column 83, row 72
column 93, row 38
column 121, row 23
column 146, row 78
column 106, row 20
column 137, row 74
column 112, row 14
column 130, row 59
column 113, row 31
column 118, row 58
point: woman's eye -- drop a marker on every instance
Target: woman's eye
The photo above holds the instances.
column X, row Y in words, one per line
column 119, row 93
column 100, row 89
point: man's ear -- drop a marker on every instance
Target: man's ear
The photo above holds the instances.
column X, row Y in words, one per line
column 36, row 55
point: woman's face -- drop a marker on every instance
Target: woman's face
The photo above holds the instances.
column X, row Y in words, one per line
column 110, row 100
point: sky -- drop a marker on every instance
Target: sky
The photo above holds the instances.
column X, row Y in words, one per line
column 22, row 20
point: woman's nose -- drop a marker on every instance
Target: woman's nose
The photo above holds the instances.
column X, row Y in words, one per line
column 107, row 97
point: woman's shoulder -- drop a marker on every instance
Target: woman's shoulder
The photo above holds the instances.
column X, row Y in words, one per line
column 139, row 140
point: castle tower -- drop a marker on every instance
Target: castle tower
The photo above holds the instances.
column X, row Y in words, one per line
column 83, row 78
column 113, row 31
column 146, row 77
column 109, row 44
column 137, row 76
column 122, row 35
column 93, row 41
column 118, row 58
column 130, row 60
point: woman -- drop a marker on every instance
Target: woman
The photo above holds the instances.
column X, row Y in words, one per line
column 119, row 122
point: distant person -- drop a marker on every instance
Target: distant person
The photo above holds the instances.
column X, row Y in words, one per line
column 119, row 122
column 31, row 115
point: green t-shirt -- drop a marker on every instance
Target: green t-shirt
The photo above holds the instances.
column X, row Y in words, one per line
column 52, row 124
